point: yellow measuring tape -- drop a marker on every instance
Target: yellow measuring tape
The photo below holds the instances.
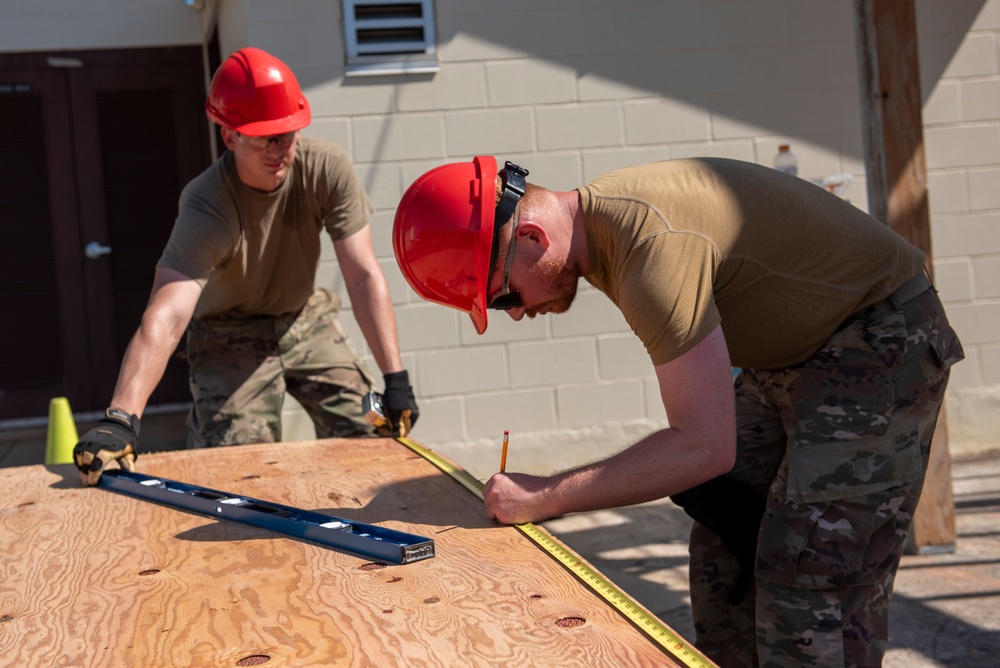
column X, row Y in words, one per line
column 652, row 627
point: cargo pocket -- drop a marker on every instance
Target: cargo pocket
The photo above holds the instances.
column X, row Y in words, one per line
column 845, row 392
column 841, row 520
column 947, row 347
column 833, row 471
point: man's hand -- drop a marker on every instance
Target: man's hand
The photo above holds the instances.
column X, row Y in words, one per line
column 398, row 402
column 116, row 437
column 516, row 498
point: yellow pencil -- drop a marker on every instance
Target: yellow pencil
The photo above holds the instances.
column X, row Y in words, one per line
column 503, row 455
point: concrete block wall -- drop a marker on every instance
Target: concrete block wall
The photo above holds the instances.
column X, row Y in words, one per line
column 573, row 89
column 962, row 134
column 97, row 24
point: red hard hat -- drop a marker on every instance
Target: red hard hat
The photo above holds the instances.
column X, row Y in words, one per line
column 443, row 233
column 257, row 95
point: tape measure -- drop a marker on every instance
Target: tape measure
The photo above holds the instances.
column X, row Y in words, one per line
column 656, row 630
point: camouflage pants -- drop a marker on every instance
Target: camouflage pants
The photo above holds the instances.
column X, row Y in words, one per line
column 240, row 369
column 836, row 450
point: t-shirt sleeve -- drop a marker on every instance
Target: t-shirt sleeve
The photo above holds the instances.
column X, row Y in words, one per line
column 347, row 208
column 666, row 295
column 201, row 239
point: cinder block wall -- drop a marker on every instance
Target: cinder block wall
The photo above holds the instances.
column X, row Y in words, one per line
column 42, row 25
column 573, row 89
column 961, row 83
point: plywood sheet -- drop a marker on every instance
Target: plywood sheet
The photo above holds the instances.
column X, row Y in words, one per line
column 93, row 578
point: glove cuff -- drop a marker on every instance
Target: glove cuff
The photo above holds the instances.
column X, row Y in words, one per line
column 124, row 417
column 397, row 379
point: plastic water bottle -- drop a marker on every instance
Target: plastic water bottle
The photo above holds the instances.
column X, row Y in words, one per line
column 785, row 161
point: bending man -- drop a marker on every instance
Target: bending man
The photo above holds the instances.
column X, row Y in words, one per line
column 804, row 474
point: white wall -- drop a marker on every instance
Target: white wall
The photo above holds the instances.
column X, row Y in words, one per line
column 571, row 89
column 41, row 25
column 962, row 135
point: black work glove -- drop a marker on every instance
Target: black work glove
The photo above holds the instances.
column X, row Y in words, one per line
column 398, row 402
column 115, row 437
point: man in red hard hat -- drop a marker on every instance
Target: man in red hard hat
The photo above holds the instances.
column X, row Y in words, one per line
column 802, row 475
column 238, row 275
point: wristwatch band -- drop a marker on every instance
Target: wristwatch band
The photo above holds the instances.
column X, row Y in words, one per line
column 123, row 416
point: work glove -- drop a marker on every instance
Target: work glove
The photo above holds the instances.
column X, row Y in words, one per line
column 116, row 437
column 398, row 403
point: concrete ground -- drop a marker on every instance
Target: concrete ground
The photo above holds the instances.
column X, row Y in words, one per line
column 945, row 609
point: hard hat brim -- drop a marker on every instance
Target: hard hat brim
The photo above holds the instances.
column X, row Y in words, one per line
column 487, row 166
column 278, row 126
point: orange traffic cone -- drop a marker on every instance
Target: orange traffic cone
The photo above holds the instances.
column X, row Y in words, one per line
column 62, row 435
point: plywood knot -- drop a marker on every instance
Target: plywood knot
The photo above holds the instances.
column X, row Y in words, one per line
column 570, row 622
column 253, row 660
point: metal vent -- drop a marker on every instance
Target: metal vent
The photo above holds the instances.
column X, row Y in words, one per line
column 389, row 37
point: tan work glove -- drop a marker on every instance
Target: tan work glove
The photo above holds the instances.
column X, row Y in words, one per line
column 116, row 437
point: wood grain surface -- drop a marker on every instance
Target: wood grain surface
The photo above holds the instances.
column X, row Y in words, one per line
column 89, row 577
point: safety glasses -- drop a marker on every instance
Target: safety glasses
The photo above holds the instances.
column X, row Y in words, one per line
column 504, row 300
column 511, row 190
column 284, row 140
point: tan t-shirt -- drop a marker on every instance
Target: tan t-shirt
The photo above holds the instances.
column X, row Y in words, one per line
column 256, row 253
column 683, row 245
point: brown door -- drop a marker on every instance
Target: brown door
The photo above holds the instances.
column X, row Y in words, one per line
column 98, row 146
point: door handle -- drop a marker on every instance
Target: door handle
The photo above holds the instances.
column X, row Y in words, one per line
column 95, row 250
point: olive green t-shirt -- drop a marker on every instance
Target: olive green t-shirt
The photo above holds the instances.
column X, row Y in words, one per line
column 256, row 253
column 681, row 246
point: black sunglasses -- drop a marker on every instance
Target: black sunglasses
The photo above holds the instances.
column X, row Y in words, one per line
column 505, row 300
column 512, row 180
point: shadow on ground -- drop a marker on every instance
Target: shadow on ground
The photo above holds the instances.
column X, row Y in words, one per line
column 945, row 609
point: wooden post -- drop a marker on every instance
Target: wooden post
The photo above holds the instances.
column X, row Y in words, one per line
column 889, row 76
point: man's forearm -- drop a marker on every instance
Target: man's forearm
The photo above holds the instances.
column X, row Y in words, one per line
column 663, row 463
column 376, row 318
column 171, row 303
column 145, row 361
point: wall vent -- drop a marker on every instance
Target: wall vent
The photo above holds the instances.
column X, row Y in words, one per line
column 389, row 37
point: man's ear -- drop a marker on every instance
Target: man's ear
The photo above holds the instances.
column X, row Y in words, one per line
column 533, row 231
column 228, row 138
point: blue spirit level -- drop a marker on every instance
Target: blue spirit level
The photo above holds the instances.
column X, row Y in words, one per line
column 366, row 539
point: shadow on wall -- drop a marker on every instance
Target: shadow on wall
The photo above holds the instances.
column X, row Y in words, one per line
column 698, row 56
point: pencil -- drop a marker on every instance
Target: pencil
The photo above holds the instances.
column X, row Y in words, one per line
column 503, row 455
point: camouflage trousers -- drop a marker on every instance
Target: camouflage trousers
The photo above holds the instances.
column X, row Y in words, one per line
column 835, row 451
column 240, row 369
